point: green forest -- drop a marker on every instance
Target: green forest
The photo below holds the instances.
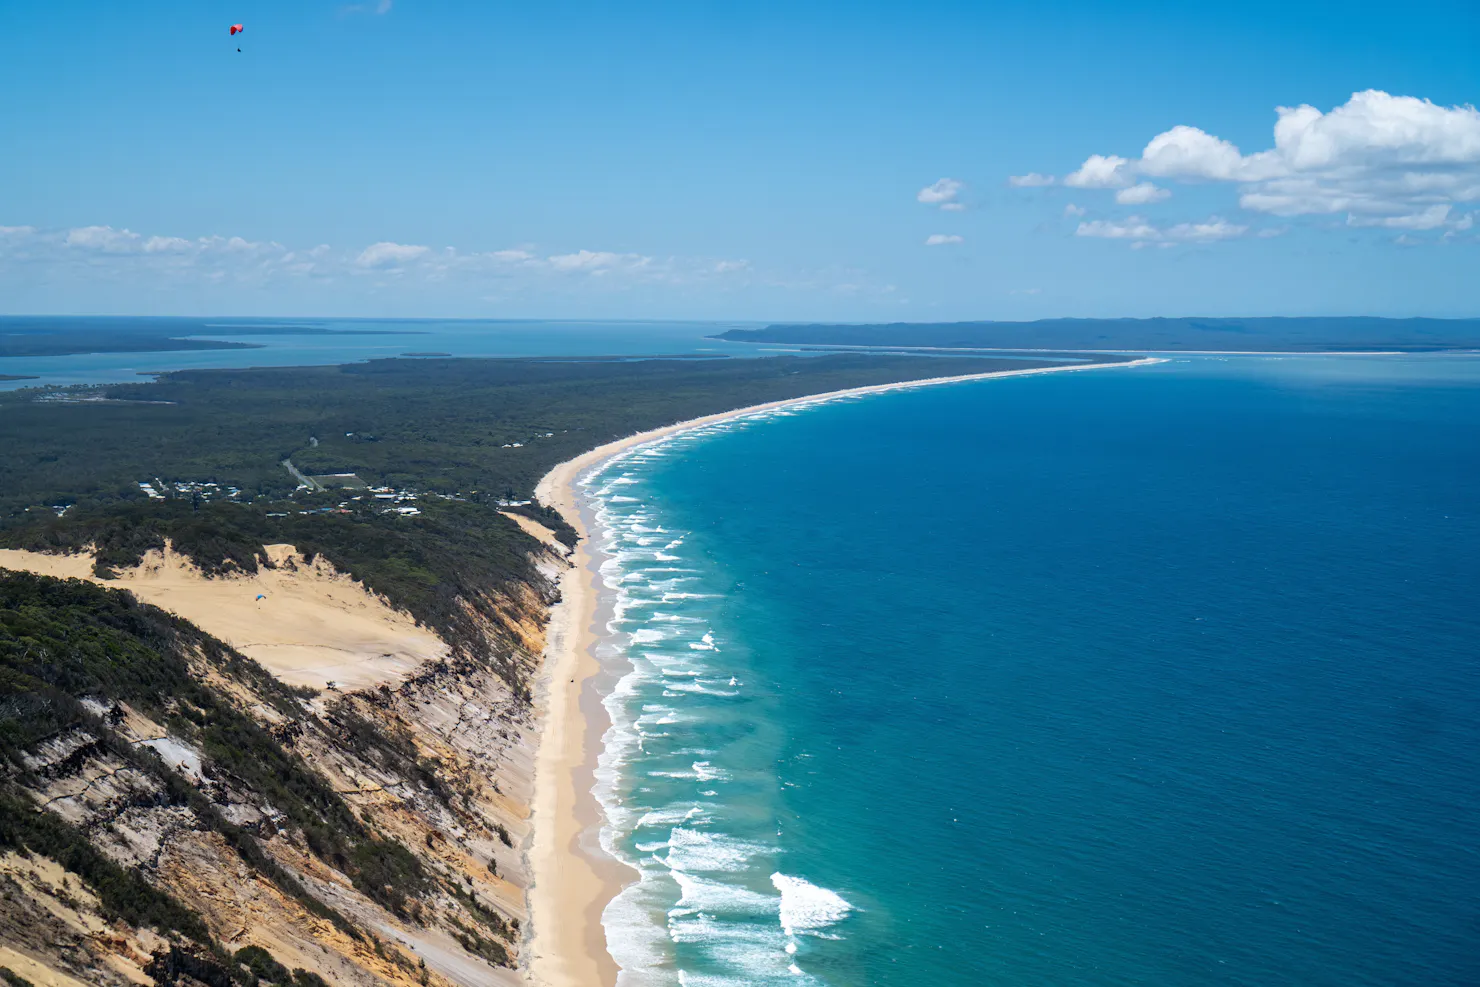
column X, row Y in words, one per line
column 461, row 434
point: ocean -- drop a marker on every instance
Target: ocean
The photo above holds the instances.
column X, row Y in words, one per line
column 351, row 340
column 1161, row 676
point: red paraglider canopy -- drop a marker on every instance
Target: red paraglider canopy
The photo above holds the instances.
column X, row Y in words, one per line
column 237, row 29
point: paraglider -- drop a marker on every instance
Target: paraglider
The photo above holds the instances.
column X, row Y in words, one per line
column 235, row 30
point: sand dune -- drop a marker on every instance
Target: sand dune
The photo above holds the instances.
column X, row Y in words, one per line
column 305, row 622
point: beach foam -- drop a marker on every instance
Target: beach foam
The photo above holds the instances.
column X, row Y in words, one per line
column 709, row 907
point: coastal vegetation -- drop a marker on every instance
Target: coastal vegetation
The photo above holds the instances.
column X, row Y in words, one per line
column 102, row 468
column 164, row 772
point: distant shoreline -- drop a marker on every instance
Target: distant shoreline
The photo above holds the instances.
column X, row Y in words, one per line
column 573, row 879
column 1210, row 335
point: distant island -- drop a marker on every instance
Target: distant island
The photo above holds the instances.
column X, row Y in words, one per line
column 70, row 335
column 426, row 353
column 7, row 377
column 1283, row 335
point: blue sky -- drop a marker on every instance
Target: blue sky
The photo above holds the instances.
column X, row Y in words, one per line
column 739, row 161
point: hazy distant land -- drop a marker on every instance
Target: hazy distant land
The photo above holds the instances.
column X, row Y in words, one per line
column 69, row 335
column 1325, row 334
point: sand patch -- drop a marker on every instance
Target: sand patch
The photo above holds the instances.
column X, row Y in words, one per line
column 536, row 530
column 307, row 623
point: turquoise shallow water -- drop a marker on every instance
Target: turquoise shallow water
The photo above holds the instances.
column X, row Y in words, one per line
column 1150, row 676
column 363, row 339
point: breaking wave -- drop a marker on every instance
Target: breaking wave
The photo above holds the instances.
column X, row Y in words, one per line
column 687, row 773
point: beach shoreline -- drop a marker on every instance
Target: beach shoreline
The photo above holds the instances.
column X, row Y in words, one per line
column 573, row 878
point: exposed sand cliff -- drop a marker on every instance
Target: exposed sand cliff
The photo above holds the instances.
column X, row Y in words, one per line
column 306, row 623
column 447, row 775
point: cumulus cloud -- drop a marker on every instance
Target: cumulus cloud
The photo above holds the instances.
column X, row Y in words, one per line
column 387, row 254
column 16, row 231
column 953, row 206
column 1031, row 180
column 1100, row 171
column 1141, row 194
column 943, row 239
column 1143, row 233
column 1071, row 210
column 1385, row 161
column 940, row 193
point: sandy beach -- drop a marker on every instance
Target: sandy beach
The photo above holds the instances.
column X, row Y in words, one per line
column 573, row 878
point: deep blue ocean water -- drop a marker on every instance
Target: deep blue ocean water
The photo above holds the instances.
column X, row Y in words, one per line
column 1159, row 676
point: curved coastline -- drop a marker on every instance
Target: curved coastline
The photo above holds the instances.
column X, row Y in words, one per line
column 573, row 878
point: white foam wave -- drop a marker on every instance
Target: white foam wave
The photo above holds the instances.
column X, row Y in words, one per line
column 695, row 850
column 805, row 907
column 673, row 815
column 697, row 885
column 696, row 688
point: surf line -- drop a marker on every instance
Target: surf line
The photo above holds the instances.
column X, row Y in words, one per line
column 573, row 877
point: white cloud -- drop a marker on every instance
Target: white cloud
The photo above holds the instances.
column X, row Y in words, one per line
column 943, row 239
column 103, row 238
column 596, row 261
column 1216, row 228
column 1428, row 219
column 1138, row 229
column 17, row 231
column 511, row 256
column 1071, row 210
column 1101, row 171
column 105, row 254
column 168, row 244
column 385, row 253
column 1031, row 180
column 1385, row 161
column 1186, row 152
column 939, row 192
column 1133, row 228
column 1141, row 194
column 953, row 206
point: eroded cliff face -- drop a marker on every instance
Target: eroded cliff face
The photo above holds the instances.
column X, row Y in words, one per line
column 369, row 836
